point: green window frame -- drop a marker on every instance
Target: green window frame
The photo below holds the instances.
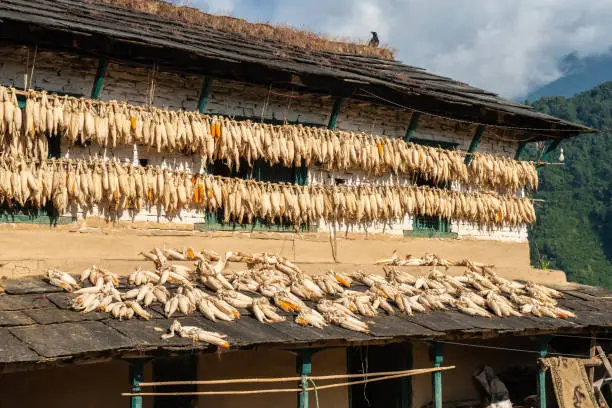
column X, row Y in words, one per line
column 432, row 225
column 260, row 171
column 16, row 214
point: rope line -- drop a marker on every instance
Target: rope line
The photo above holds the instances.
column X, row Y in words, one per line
column 407, row 373
column 583, row 337
column 290, row 379
column 316, row 393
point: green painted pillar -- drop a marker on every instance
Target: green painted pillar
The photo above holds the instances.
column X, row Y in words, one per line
column 519, row 150
column 474, row 143
column 437, row 357
column 304, row 369
column 99, row 81
column 204, row 94
column 414, row 122
column 335, row 113
column 542, row 375
column 136, row 377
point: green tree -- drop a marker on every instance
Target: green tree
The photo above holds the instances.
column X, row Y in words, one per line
column 574, row 227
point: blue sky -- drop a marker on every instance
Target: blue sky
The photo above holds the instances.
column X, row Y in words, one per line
column 506, row 46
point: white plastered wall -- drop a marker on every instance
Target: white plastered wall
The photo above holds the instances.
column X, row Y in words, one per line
column 62, row 72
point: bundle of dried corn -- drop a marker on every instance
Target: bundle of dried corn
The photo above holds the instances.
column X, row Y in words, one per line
column 493, row 172
column 273, row 282
column 18, row 136
column 120, row 186
column 111, row 124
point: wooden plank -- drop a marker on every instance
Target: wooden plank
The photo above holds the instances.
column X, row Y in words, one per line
column 62, row 300
column 604, row 360
column 593, row 319
column 67, row 339
column 595, row 291
column 21, row 302
column 33, row 285
column 13, row 350
column 143, row 334
column 301, row 334
column 245, row 331
column 394, row 326
column 577, row 305
column 592, row 353
column 439, row 321
column 52, row 316
column 15, row 318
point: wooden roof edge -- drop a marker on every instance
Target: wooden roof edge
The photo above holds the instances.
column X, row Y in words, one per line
column 469, row 95
column 152, row 351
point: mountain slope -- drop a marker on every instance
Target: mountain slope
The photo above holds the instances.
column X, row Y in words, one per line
column 580, row 74
column 574, row 227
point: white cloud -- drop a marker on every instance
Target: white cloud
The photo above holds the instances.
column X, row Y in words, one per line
column 507, row 46
column 213, row 6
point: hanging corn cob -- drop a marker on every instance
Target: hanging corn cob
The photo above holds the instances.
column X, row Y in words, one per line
column 492, row 171
column 118, row 186
column 110, row 124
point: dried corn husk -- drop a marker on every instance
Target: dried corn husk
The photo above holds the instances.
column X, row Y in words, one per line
column 118, row 186
column 216, row 138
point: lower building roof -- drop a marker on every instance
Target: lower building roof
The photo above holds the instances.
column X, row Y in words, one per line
column 37, row 327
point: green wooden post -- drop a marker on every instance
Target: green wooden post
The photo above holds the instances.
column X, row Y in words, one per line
column 474, row 143
column 543, row 343
column 99, row 81
column 519, row 150
column 549, row 149
column 136, row 377
column 204, row 94
column 437, row 357
column 335, row 113
column 304, row 369
column 349, row 370
column 414, row 122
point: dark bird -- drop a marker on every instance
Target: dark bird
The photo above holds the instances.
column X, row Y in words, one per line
column 374, row 41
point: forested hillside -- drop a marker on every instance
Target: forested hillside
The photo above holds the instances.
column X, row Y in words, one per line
column 574, row 227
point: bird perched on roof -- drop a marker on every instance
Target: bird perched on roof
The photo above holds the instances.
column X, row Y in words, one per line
column 374, row 41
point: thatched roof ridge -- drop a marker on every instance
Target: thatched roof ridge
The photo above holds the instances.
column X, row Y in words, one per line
column 281, row 33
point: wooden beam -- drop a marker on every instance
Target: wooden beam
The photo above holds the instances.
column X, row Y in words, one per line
column 474, row 144
column 519, row 150
column 437, row 357
column 204, row 94
column 604, row 360
column 592, row 353
column 414, row 122
column 99, row 81
column 335, row 113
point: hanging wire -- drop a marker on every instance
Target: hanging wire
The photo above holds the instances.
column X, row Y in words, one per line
column 583, row 337
column 464, row 120
column 25, row 74
column 511, row 349
column 33, row 65
column 266, row 102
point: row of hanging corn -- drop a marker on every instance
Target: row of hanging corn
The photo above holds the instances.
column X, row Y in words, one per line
column 118, row 186
column 109, row 124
